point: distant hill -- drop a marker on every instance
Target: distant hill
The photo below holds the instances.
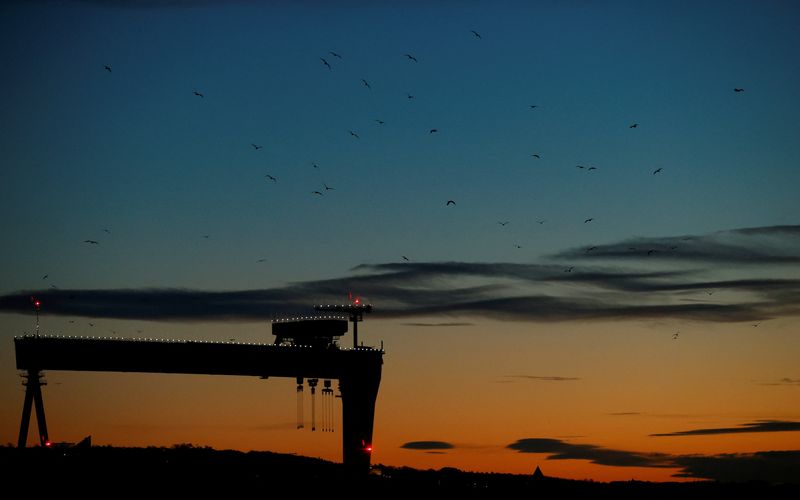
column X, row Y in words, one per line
column 190, row 470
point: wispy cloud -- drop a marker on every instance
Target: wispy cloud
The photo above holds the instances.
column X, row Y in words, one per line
column 427, row 445
column 772, row 466
column 759, row 245
column 504, row 291
column 758, row 426
column 544, row 378
column 784, row 381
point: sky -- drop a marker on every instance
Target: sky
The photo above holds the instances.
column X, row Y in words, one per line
column 611, row 294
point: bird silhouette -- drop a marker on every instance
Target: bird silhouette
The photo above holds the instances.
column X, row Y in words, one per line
column 256, row 146
column 198, row 94
column 315, row 165
column 380, row 122
column 107, row 67
column 675, row 335
column 206, row 236
column 91, row 242
column 657, row 170
column 273, row 179
column 590, row 219
column 634, row 125
column 580, row 166
column 354, row 134
column 327, row 188
column 503, row 223
column 261, row 260
column 316, row 192
column 738, row 90
column 536, row 156
column 450, row 202
column 569, row 269
column 477, row 35
column 406, row 258
column 366, row 83
column 334, row 54
column 533, row 106
column 107, row 231
column 409, row 96
column 651, row 252
column 45, row 276
column 591, row 249
column 541, row 221
column 517, row 246
column 411, row 57
column 755, row 325
column 433, row 131
column 591, row 168
column 325, row 63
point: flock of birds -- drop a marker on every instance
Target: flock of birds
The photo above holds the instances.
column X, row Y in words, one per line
column 325, row 188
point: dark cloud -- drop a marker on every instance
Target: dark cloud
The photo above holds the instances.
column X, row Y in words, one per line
column 503, row 291
column 771, row 466
column 545, row 378
column 427, row 445
column 758, row 426
column 562, row 450
column 759, row 245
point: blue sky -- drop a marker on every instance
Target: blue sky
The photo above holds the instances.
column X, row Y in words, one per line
column 134, row 160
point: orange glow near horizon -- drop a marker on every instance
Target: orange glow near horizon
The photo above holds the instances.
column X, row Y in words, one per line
column 478, row 387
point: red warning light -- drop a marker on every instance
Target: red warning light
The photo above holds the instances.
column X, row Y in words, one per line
column 48, row 444
column 368, row 449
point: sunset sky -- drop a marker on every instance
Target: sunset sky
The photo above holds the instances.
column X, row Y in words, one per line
column 622, row 305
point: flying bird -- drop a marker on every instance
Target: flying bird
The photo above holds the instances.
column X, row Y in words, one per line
column 273, row 179
column 315, row 165
column 325, row 63
column 533, row 106
column 256, row 146
column 536, row 156
column 591, row 168
column 380, row 122
column 327, row 188
column 433, row 131
column 354, row 134
column 541, row 221
column 657, row 170
column 569, row 269
column 675, row 335
column 634, row 125
column 206, row 236
column 450, row 202
column 580, row 166
column 411, row 57
column 590, row 248
column 517, row 246
column 107, row 67
column 503, row 223
column 91, row 242
column 477, row 35
column 316, row 192
column 406, row 258
column 651, row 252
column 45, row 276
column 738, row 90
column 334, row 54
column 366, row 83
column 410, row 96
column 261, row 260
column 590, row 219
column 105, row 230
column 198, row 94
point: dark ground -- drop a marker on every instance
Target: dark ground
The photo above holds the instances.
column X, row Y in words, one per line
column 186, row 470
